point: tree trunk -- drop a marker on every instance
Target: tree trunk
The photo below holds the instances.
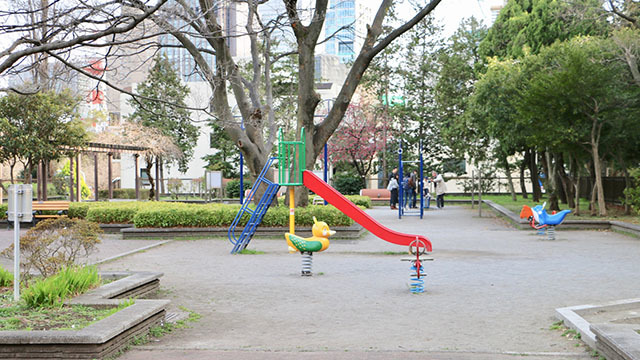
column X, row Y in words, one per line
column 597, row 168
column 507, row 171
column 565, row 180
column 152, row 192
column 161, row 180
column 523, row 165
column 533, row 169
column 627, row 185
column 552, row 189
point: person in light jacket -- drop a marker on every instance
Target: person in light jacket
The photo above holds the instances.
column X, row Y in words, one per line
column 441, row 188
column 393, row 187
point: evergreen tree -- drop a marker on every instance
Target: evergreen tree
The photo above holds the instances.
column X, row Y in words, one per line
column 170, row 115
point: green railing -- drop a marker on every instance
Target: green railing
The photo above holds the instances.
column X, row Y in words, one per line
column 291, row 160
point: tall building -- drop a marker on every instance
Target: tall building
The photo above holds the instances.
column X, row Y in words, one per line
column 232, row 16
column 346, row 23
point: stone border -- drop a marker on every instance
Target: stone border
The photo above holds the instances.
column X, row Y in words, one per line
column 614, row 341
column 103, row 338
column 342, row 232
column 522, row 224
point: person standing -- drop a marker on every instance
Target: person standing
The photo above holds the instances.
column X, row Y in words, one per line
column 393, row 188
column 441, row 188
column 413, row 184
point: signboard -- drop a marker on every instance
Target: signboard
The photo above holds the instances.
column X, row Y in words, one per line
column 23, row 206
column 214, row 179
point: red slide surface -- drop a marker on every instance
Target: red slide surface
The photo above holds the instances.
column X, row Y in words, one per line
column 324, row 190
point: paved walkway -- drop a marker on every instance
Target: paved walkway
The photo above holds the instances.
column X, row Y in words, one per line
column 491, row 293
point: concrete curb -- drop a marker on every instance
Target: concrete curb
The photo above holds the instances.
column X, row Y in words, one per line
column 621, row 226
column 610, row 339
column 103, row 338
column 342, row 232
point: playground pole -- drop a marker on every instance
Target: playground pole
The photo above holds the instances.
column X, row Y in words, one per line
column 326, row 168
column 241, row 179
column 292, row 210
column 400, row 175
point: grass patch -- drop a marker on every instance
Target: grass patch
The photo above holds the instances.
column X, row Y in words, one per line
column 74, row 317
column 6, row 278
column 53, row 290
column 251, row 252
column 167, row 327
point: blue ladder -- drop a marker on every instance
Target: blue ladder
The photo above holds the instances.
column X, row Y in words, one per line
column 256, row 214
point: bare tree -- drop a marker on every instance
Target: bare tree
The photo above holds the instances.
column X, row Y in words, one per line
column 33, row 31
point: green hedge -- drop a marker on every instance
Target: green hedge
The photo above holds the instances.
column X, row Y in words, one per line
column 166, row 214
column 123, row 194
column 3, row 211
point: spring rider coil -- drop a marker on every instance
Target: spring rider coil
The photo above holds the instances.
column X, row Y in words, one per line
column 307, row 263
column 417, row 248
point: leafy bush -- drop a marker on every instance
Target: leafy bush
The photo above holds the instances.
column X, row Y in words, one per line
column 6, row 278
column 363, row 201
column 348, row 183
column 113, row 213
column 233, row 188
column 61, row 181
column 68, row 282
column 78, row 210
column 632, row 194
column 56, row 243
column 174, row 186
column 123, row 194
column 3, row 211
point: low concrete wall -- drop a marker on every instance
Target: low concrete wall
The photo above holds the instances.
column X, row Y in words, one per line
column 102, row 339
column 342, row 232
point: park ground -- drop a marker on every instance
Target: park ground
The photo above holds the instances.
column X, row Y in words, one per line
column 491, row 292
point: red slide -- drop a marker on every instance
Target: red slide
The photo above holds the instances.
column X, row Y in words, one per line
column 324, row 190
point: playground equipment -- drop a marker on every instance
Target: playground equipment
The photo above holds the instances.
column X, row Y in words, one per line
column 417, row 275
column 292, row 172
column 544, row 221
column 402, row 202
column 307, row 246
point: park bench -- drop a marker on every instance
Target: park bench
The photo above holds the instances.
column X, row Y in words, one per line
column 376, row 194
column 40, row 207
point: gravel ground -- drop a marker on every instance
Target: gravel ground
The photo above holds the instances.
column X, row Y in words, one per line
column 490, row 293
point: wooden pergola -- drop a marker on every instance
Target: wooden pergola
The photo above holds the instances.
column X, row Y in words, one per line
column 95, row 149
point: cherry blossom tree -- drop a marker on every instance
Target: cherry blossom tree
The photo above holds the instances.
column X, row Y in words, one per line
column 359, row 138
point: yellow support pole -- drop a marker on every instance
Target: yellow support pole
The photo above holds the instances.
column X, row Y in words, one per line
column 292, row 210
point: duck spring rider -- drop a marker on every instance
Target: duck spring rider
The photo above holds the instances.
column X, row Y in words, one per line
column 307, row 246
column 539, row 215
column 291, row 173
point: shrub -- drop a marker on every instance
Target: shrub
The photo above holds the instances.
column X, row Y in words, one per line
column 113, row 213
column 56, row 243
column 78, row 210
column 123, row 194
column 6, row 278
column 68, row 282
column 233, row 188
column 348, row 183
column 632, row 194
column 363, row 201
column 174, row 186
column 3, row 211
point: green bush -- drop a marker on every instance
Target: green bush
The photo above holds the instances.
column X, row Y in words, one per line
column 233, row 188
column 113, row 213
column 348, row 183
column 52, row 291
column 55, row 243
column 123, row 194
column 78, row 210
column 632, row 194
column 3, row 211
column 6, row 278
column 363, row 201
